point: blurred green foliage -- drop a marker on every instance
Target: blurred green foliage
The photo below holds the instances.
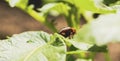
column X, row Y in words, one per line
column 89, row 39
column 70, row 9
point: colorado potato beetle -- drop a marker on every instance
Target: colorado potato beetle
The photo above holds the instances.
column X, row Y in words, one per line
column 67, row 32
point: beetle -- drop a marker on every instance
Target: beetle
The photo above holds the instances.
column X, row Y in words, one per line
column 67, row 32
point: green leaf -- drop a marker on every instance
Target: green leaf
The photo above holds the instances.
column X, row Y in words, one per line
column 84, row 60
column 83, row 35
column 109, row 2
column 54, row 51
column 103, row 30
column 96, row 48
column 55, row 9
column 38, row 16
column 12, row 3
column 47, row 53
column 18, row 3
column 81, row 45
column 19, row 46
column 115, row 5
column 83, row 39
column 95, row 6
column 33, row 46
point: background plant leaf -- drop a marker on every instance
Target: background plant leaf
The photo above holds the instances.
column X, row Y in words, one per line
column 95, row 6
column 55, row 8
column 18, row 3
column 101, row 31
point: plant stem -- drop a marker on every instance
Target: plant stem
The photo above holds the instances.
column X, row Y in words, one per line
column 82, row 54
column 75, row 52
column 107, row 56
column 51, row 26
column 73, row 18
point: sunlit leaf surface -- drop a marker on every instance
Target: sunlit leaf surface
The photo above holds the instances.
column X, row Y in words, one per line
column 21, row 47
column 55, row 51
column 96, row 6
